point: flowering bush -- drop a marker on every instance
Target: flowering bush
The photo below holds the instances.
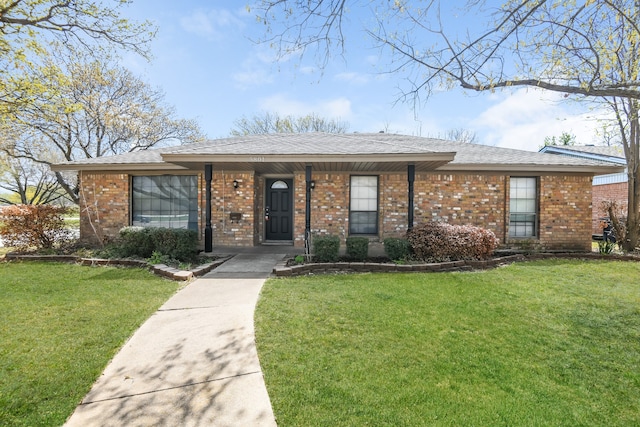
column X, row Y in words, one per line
column 33, row 226
column 439, row 241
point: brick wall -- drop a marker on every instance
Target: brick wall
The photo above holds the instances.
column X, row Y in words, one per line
column 565, row 212
column 462, row 199
column 104, row 205
column 329, row 205
column 605, row 193
column 482, row 200
column 225, row 199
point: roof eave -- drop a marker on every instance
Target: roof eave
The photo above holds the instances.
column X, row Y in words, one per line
column 310, row 158
column 533, row 168
column 115, row 166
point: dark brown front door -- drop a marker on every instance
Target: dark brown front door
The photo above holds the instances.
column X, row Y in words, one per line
column 279, row 209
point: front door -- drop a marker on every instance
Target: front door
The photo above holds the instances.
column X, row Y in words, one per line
column 279, row 209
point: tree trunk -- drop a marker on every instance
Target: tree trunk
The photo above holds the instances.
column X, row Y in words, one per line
column 633, row 160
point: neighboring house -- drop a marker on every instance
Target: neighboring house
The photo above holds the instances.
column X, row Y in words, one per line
column 606, row 188
column 283, row 188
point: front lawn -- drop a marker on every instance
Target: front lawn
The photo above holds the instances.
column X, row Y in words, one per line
column 60, row 325
column 533, row 344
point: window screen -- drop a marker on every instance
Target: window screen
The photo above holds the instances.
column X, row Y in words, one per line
column 363, row 213
column 165, row 201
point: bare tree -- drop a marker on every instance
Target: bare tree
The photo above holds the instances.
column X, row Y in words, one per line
column 28, row 28
column 96, row 109
column 462, row 135
column 28, row 183
column 586, row 50
column 274, row 123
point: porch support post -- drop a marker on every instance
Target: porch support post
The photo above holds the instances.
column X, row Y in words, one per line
column 307, row 212
column 208, row 232
column 411, row 177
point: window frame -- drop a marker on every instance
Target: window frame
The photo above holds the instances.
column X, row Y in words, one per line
column 516, row 225
column 171, row 204
column 353, row 212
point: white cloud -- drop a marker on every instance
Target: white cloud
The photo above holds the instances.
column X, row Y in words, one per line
column 337, row 108
column 252, row 76
column 212, row 25
column 308, row 70
column 525, row 117
column 256, row 70
column 352, row 77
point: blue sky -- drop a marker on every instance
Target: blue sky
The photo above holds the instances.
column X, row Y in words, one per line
column 211, row 71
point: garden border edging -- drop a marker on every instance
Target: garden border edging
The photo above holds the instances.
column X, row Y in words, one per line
column 158, row 269
column 282, row 270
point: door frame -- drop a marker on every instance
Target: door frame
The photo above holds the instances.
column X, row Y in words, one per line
column 268, row 178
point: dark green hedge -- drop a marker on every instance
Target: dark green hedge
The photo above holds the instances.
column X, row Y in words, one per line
column 326, row 248
column 178, row 244
column 357, row 248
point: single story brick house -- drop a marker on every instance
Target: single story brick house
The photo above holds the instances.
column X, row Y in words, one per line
column 284, row 188
column 607, row 187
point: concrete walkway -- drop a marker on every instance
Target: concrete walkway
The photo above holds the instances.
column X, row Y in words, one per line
column 194, row 362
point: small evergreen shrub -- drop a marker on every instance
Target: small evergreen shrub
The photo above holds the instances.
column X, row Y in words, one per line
column 358, row 248
column 33, row 226
column 178, row 244
column 326, row 248
column 397, row 249
column 439, row 242
column 134, row 242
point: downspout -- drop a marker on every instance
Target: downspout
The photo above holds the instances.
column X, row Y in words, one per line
column 208, row 232
column 411, row 177
column 307, row 213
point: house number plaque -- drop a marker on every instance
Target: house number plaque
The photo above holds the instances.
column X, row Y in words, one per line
column 256, row 158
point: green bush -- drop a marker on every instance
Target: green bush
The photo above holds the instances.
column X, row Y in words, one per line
column 178, row 244
column 326, row 248
column 606, row 248
column 357, row 248
column 397, row 249
column 134, row 242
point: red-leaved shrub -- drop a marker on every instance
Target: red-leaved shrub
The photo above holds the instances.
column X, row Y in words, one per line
column 32, row 226
column 439, row 242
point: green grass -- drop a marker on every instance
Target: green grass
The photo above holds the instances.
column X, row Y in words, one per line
column 60, row 325
column 551, row 343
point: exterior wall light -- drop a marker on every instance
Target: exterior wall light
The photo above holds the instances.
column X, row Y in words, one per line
column 312, row 184
column 235, row 183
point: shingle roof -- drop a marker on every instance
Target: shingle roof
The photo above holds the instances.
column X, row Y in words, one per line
column 603, row 150
column 348, row 147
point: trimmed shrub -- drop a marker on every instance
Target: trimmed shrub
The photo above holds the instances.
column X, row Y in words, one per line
column 178, row 244
column 33, row 226
column 326, row 248
column 358, row 248
column 397, row 249
column 135, row 242
column 439, row 241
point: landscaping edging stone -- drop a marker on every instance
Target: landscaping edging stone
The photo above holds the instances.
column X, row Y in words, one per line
column 282, row 270
column 159, row 269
